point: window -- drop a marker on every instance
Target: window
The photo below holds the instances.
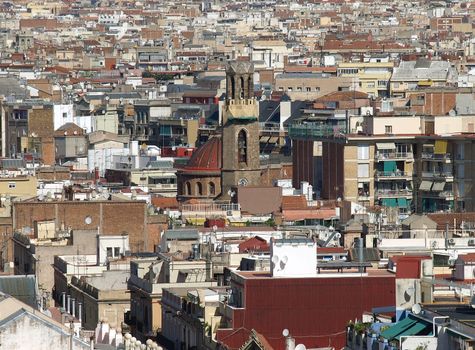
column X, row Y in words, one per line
column 116, row 252
column 363, row 152
column 199, row 189
column 187, row 189
column 65, row 115
column 309, row 89
column 363, row 170
column 388, row 129
column 12, row 185
column 109, row 252
column 211, row 188
column 289, row 88
column 242, row 146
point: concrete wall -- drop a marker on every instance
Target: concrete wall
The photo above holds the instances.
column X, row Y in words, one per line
column 29, row 332
column 18, row 186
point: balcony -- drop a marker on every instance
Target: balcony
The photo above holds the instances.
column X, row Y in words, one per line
column 447, row 175
column 392, row 175
column 317, row 131
column 394, row 156
column 447, row 195
column 444, row 158
column 393, row 193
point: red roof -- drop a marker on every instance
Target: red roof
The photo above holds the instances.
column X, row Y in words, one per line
column 470, row 257
column 255, row 244
column 207, row 157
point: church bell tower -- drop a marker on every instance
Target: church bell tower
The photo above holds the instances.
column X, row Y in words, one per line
column 240, row 138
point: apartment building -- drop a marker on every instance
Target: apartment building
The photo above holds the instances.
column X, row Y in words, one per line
column 371, row 77
column 310, row 86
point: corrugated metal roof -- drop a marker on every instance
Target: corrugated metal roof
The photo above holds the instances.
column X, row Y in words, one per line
column 13, row 163
column 181, row 234
column 22, row 288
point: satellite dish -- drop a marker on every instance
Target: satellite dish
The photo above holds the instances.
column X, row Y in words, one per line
column 285, row 259
column 275, row 259
column 285, row 332
column 87, row 220
column 416, row 309
column 300, row 347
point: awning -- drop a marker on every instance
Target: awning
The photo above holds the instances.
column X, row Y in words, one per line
column 402, row 202
column 415, row 329
column 425, row 186
column 386, row 145
column 390, row 202
column 264, row 139
column 438, row 186
column 273, row 139
column 390, row 167
column 398, row 328
column 440, row 147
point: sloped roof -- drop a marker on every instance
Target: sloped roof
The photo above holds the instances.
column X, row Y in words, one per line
column 21, row 287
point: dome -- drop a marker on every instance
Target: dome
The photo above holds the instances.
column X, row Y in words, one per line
column 207, row 157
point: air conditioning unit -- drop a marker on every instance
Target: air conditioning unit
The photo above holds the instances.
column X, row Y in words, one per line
column 452, row 241
column 471, row 242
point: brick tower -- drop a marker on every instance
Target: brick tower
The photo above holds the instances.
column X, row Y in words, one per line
column 240, row 137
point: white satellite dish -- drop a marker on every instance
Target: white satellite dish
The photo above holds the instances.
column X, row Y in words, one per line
column 285, row 332
column 87, row 220
column 416, row 309
column 285, row 259
column 275, row 259
column 300, row 347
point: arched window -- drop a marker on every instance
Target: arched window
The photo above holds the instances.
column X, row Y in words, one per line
column 199, row 189
column 233, row 89
column 187, row 189
column 242, row 146
column 211, row 189
column 241, row 87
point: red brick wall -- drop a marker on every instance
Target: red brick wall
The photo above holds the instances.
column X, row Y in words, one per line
column 112, row 218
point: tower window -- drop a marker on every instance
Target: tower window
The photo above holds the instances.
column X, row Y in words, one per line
column 242, row 146
column 187, row 189
column 211, row 188
column 242, row 87
column 199, row 189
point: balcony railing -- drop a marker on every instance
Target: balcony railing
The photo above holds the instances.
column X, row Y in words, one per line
column 394, row 155
column 393, row 193
column 316, row 131
column 436, row 157
column 447, row 195
column 437, row 174
column 393, row 174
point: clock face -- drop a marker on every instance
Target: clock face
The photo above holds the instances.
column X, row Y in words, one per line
column 243, row 182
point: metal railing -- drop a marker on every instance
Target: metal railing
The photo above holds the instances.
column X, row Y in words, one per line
column 393, row 193
column 437, row 174
column 210, row 207
column 435, row 157
column 391, row 174
column 394, row 155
